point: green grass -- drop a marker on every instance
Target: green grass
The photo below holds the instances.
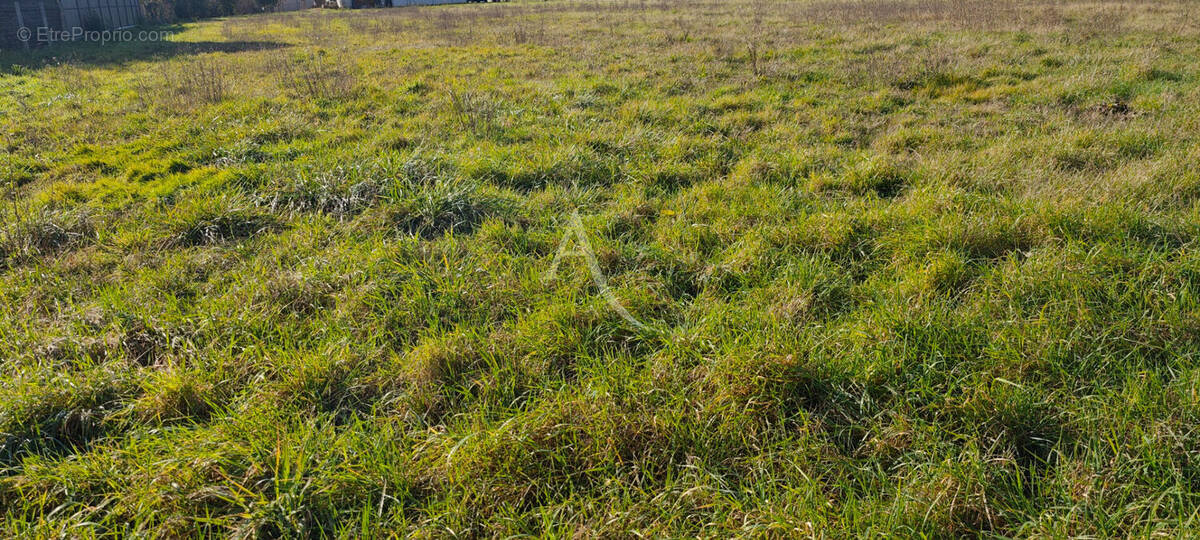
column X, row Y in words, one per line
column 917, row 269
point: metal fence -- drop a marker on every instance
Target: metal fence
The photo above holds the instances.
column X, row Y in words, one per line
column 20, row 20
column 107, row 14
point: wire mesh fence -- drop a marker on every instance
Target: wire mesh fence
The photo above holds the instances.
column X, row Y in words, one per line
column 100, row 14
column 30, row 23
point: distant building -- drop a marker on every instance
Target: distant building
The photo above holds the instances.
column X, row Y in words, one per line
column 351, row 4
column 290, row 5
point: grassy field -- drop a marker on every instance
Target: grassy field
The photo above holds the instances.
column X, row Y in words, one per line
column 900, row 268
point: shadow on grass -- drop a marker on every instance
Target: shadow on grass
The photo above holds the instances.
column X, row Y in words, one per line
column 117, row 53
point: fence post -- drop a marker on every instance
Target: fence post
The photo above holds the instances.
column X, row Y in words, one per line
column 20, row 25
column 45, row 22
